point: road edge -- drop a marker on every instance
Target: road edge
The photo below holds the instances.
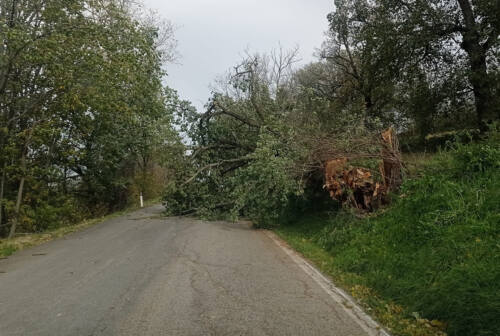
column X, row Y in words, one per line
column 18, row 244
column 348, row 304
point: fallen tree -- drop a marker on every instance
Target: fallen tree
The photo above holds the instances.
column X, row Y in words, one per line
column 357, row 186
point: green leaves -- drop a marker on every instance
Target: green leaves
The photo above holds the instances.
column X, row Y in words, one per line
column 81, row 96
column 264, row 187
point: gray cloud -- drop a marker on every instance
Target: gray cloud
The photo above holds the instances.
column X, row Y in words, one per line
column 213, row 35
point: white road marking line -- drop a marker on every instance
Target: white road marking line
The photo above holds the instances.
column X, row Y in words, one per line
column 369, row 325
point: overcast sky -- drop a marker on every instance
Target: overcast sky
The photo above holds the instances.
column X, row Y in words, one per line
column 213, row 34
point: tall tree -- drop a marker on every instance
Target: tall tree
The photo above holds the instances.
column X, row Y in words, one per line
column 81, row 103
column 437, row 35
column 351, row 49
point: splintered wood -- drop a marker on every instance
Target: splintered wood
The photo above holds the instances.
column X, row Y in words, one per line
column 391, row 166
column 355, row 186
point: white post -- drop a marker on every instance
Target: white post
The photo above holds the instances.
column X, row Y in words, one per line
column 142, row 201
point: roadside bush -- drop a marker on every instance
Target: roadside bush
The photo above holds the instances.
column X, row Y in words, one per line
column 51, row 215
column 478, row 157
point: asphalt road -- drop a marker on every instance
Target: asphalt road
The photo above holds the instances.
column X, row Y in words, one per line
column 141, row 274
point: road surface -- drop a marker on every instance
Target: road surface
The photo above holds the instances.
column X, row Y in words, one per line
column 141, row 274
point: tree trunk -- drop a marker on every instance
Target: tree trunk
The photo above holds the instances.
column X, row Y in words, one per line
column 480, row 86
column 369, row 113
column 368, row 104
column 144, row 174
column 15, row 218
column 65, row 181
column 478, row 77
column 2, row 188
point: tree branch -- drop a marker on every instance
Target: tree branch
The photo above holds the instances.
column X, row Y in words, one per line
column 213, row 165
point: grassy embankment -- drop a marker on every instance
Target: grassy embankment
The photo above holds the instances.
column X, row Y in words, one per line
column 8, row 247
column 431, row 261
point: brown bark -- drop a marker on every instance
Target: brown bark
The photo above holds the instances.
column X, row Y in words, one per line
column 355, row 186
column 477, row 59
column 17, row 210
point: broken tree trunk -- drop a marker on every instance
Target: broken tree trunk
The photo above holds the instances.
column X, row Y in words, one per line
column 356, row 186
column 391, row 166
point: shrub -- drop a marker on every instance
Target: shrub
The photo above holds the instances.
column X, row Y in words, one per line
column 476, row 158
column 52, row 215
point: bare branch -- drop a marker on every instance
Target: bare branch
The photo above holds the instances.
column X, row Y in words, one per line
column 213, row 165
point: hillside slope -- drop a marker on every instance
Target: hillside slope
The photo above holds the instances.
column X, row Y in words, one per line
column 433, row 254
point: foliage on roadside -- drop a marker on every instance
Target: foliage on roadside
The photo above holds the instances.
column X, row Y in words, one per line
column 85, row 121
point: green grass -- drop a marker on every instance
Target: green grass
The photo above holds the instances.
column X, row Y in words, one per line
column 435, row 253
column 9, row 246
column 6, row 250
